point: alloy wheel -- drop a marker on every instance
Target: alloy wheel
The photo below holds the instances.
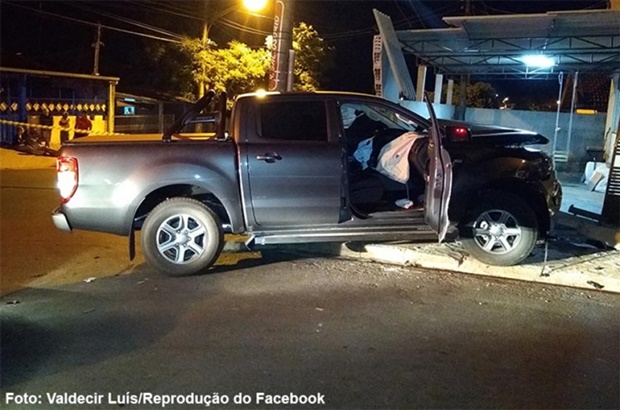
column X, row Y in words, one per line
column 497, row 231
column 181, row 239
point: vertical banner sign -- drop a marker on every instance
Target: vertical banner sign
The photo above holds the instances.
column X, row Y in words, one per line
column 282, row 42
column 377, row 49
column 276, row 44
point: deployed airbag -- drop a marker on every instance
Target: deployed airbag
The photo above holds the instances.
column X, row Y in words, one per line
column 394, row 157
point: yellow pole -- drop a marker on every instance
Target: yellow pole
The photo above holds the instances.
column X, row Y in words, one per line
column 111, row 105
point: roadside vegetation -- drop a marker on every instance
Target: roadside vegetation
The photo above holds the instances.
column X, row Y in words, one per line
column 235, row 67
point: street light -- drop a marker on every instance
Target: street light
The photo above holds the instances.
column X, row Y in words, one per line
column 281, row 71
column 255, row 5
column 250, row 5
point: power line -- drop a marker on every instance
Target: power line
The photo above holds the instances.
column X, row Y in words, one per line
column 135, row 23
column 88, row 23
column 430, row 13
column 368, row 31
column 402, row 12
column 173, row 12
column 237, row 26
column 178, row 9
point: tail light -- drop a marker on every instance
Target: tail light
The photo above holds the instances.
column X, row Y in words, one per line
column 67, row 176
column 458, row 134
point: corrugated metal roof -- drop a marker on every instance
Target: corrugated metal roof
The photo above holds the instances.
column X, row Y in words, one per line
column 493, row 45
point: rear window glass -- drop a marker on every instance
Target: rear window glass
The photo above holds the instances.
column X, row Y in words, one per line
column 293, row 120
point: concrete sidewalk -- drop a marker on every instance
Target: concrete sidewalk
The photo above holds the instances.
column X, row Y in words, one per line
column 568, row 263
column 572, row 258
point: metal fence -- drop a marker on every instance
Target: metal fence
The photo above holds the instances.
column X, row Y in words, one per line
column 8, row 132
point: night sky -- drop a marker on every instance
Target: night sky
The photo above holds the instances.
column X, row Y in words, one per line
column 57, row 35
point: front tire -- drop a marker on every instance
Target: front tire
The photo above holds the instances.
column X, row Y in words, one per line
column 181, row 236
column 501, row 229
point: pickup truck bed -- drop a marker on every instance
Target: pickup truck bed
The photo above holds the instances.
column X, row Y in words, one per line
column 121, row 174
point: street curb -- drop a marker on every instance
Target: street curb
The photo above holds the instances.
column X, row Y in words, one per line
column 597, row 270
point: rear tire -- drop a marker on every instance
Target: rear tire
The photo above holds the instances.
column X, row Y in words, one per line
column 501, row 229
column 181, row 236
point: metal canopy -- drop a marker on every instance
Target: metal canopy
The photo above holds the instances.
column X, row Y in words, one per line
column 494, row 45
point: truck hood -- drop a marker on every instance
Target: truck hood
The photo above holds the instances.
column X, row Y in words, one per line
column 492, row 135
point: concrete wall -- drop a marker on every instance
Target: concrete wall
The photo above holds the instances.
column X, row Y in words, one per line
column 588, row 130
column 420, row 108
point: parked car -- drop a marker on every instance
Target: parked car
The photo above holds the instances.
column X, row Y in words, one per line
column 310, row 167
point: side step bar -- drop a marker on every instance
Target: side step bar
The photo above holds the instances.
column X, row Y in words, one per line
column 283, row 237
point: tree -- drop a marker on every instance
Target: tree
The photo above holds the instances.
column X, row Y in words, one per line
column 236, row 69
column 168, row 68
column 478, row 95
column 312, row 58
column 239, row 68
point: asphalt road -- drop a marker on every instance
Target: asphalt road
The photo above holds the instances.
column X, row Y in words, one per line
column 350, row 333
column 33, row 251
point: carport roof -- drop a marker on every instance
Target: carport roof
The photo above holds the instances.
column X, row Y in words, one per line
column 494, row 45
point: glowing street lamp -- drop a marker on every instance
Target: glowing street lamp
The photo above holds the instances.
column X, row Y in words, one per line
column 254, row 5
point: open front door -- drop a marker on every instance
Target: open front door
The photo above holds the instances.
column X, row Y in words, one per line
column 438, row 179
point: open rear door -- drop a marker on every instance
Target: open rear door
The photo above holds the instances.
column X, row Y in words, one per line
column 438, row 179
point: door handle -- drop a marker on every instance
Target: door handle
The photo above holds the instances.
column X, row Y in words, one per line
column 269, row 157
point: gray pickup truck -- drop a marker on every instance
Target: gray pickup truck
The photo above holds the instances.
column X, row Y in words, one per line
column 309, row 167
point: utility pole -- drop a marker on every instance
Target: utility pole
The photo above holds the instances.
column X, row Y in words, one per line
column 468, row 9
column 465, row 78
column 205, row 42
column 97, row 45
